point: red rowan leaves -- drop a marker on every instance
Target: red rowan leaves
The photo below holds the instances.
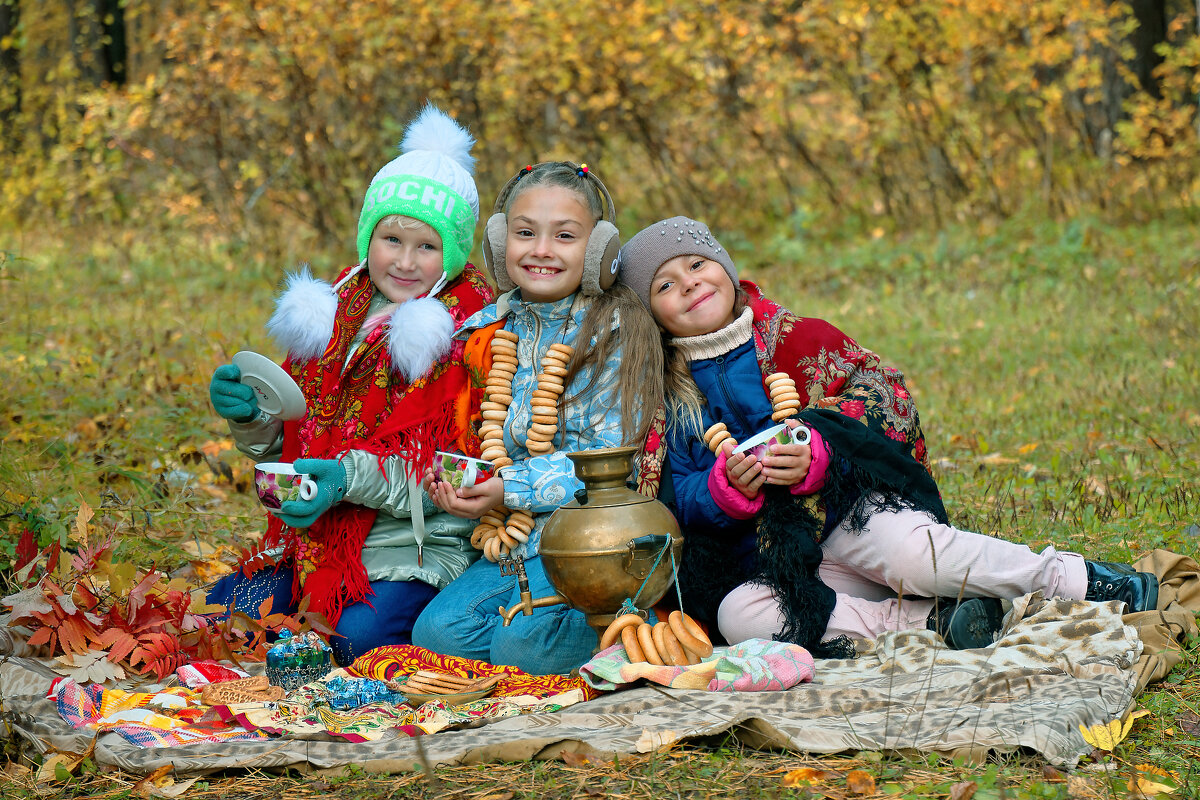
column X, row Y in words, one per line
column 135, row 618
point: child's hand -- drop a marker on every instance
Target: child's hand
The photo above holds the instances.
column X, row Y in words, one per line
column 744, row 472
column 231, row 398
column 330, row 477
column 427, row 480
column 471, row 502
column 787, row 464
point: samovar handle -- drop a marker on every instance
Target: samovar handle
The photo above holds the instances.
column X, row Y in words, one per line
column 645, row 553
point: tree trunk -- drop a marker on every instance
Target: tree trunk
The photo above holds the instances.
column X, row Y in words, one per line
column 113, row 45
column 1151, row 31
column 96, row 29
column 10, row 71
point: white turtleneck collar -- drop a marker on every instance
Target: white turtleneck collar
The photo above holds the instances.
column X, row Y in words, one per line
column 717, row 343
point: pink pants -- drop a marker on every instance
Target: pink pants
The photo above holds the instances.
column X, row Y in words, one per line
column 906, row 553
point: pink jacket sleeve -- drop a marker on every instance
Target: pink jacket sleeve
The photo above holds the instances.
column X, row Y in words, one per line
column 814, row 481
column 727, row 497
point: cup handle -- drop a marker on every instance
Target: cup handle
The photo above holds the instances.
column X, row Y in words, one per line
column 308, row 488
column 469, row 475
column 801, row 435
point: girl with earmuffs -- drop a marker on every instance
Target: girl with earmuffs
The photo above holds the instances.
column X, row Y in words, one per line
column 570, row 363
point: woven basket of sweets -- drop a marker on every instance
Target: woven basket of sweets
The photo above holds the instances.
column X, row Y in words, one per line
column 297, row 660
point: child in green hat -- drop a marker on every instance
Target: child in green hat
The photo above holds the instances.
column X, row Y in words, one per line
column 385, row 387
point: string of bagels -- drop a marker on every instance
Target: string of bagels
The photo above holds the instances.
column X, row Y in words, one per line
column 785, row 402
column 501, row 529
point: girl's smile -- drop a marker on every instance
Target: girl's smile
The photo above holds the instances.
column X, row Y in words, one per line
column 691, row 295
column 700, row 300
column 548, row 228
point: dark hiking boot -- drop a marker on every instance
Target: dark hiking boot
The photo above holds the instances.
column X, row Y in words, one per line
column 1109, row 581
column 967, row 624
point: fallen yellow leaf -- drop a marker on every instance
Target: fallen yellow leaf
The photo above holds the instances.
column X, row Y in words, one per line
column 801, row 775
column 860, row 782
column 49, row 772
column 1151, row 780
column 964, row 790
column 80, row 532
column 1106, row 736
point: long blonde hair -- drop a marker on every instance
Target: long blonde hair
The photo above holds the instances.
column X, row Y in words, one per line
column 617, row 319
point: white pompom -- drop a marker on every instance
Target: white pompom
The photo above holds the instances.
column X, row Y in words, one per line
column 421, row 332
column 435, row 130
column 303, row 320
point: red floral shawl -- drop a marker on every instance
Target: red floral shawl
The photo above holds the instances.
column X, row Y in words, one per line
column 368, row 406
column 830, row 370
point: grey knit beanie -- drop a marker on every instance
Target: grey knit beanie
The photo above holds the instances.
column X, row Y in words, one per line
column 652, row 247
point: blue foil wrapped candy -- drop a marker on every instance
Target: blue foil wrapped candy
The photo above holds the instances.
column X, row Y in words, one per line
column 348, row 693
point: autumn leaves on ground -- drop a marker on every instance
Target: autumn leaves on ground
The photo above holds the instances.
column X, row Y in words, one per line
column 1000, row 200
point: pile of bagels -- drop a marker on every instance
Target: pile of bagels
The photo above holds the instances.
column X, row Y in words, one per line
column 677, row 642
column 430, row 682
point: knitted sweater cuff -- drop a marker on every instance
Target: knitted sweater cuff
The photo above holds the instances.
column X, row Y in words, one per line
column 727, row 497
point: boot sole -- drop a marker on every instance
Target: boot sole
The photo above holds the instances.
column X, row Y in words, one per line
column 975, row 624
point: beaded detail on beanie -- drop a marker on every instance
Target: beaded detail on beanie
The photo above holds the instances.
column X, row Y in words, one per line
column 657, row 244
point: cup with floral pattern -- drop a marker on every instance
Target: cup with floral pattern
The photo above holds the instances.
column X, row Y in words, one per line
column 759, row 445
column 277, row 482
column 461, row 471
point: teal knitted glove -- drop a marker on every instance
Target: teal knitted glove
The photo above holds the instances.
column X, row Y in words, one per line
column 330, row 477
column 232, row 400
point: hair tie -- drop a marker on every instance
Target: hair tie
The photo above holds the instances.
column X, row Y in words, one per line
column 583, row 170
column 528, row 169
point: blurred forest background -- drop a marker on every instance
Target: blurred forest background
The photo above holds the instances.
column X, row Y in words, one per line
column 259, row 123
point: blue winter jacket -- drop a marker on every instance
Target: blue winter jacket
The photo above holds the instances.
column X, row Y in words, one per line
column 732, row 387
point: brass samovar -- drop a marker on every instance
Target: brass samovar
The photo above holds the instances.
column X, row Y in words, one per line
column 608, row 544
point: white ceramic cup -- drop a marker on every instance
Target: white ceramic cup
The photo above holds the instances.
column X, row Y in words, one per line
column 276, row 482
column 759, row 444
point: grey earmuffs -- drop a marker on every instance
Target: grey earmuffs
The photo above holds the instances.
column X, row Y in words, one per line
column 600, row 260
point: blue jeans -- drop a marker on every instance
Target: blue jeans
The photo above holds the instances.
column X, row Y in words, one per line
column 386, row 617
column 464, row 621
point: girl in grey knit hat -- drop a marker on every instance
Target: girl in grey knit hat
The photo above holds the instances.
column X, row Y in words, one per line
column 815, row 543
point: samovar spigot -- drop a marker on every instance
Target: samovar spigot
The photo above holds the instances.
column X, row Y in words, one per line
column 516, row 566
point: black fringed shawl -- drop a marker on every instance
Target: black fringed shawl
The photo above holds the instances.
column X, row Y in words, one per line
column 869, row 423
column 867, row 471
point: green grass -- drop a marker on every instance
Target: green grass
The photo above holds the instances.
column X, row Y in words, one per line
column 1055, row 366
